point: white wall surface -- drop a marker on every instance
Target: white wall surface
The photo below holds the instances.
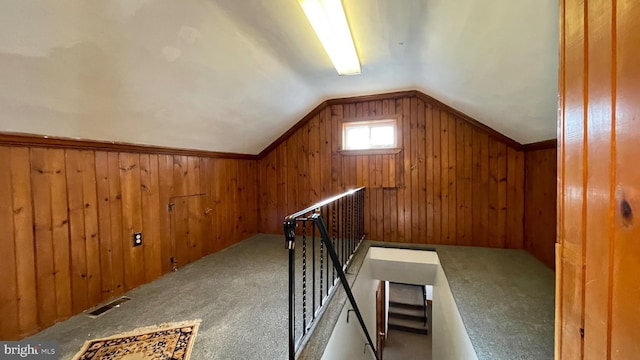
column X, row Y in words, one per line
column 348, row 340
column 402, row 265
column 450, row 340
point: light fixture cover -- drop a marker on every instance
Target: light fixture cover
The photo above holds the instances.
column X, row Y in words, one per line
column 330, row 24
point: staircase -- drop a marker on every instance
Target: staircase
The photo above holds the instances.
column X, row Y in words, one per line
column 407, row 308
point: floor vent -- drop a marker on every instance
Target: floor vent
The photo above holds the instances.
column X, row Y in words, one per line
column 105, row 308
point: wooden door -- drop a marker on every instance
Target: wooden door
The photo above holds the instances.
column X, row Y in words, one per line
column 381, row 324
column 598, row 252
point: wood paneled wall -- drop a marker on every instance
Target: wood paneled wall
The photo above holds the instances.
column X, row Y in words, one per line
column 67, row 219
column 452, row 183
column 540, row 205
column 598, row 254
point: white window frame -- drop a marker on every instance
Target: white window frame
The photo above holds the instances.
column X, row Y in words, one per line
column 370, row 123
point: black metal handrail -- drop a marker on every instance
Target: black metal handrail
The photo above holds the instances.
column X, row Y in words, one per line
column 341, row 239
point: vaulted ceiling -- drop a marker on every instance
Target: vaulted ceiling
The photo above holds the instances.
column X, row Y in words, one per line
column 233, row 75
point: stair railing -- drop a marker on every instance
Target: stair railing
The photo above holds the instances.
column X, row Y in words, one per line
column 345, row 213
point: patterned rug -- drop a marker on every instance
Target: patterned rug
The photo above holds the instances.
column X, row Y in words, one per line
column 170, row 341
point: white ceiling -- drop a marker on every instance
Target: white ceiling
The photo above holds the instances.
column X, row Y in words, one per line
column 233, row 75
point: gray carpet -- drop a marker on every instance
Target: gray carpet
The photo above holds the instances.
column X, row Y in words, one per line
column 239, row 293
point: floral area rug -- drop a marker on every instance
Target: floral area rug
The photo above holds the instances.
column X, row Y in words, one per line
column 170, row 341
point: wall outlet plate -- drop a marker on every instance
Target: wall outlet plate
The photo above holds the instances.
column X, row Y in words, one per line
column 137, row 239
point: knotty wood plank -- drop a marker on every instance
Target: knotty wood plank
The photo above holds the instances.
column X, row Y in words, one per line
column 422, row 164
column 403, row 107
column 225, row 189
column 485, row 239
column 515, row 199
column 395, row 107
column 43, row 227
column 415, row 164
column 373, row 201
column 325, row 153
column 282, row 190
column 23, row 236
column 60, row 232
column 91, row 233
column 252, row 198
column 165, row 190
column 104, row 223
column 493, row 224
column 115, row 213
column 195, row 212
column 150, row 187
column 624, row 309
column 9, row 326
column 131, row 220
column 386, row 201
column 393, row 214
column 77, row 238
column 206, row 182
column 292, row 175
column 444, row 178
column 572, row 264
column 597, row 299
column 232, row 201
column 437, row 191
column 429, row 217
column 337, row 179
column 315, row 179
column 460, row 183
column 366, row 177
column 180, row 212
column 304, row 168
column 501, row 176
column 468, row 185
column 380, row 209
column 452, row 181
column 219, row 209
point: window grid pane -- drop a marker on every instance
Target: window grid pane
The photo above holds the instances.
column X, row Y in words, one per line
column 369, row 135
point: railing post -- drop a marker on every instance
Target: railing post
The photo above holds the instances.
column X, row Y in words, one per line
column 290, row 243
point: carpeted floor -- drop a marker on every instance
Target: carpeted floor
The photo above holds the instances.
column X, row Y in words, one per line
column 239, row 293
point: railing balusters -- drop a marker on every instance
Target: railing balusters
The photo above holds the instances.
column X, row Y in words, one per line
column 313, row 271
column 304, row 277
column 321, row 264
column 339, row 240
column 344, row 230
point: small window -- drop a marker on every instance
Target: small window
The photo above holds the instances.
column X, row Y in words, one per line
column 370, row 135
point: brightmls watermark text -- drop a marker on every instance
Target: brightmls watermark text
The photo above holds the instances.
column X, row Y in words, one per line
column 31, row 350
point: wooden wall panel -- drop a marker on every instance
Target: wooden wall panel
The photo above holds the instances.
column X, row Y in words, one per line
column 625, row 314
column 8, row 268
column 23, row 236
column 452, row 183
column 598, row 286
column 540, row 212
column 67, row 218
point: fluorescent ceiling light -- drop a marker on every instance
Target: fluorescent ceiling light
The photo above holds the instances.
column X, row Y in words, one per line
column 330, row 24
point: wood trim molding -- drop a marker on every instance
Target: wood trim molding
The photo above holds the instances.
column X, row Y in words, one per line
column 19, row 139
column 541, row 145
column 372, row 97
column 387, row 151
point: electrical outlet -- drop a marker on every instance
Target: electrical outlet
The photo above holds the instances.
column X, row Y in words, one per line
column 137, row 239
